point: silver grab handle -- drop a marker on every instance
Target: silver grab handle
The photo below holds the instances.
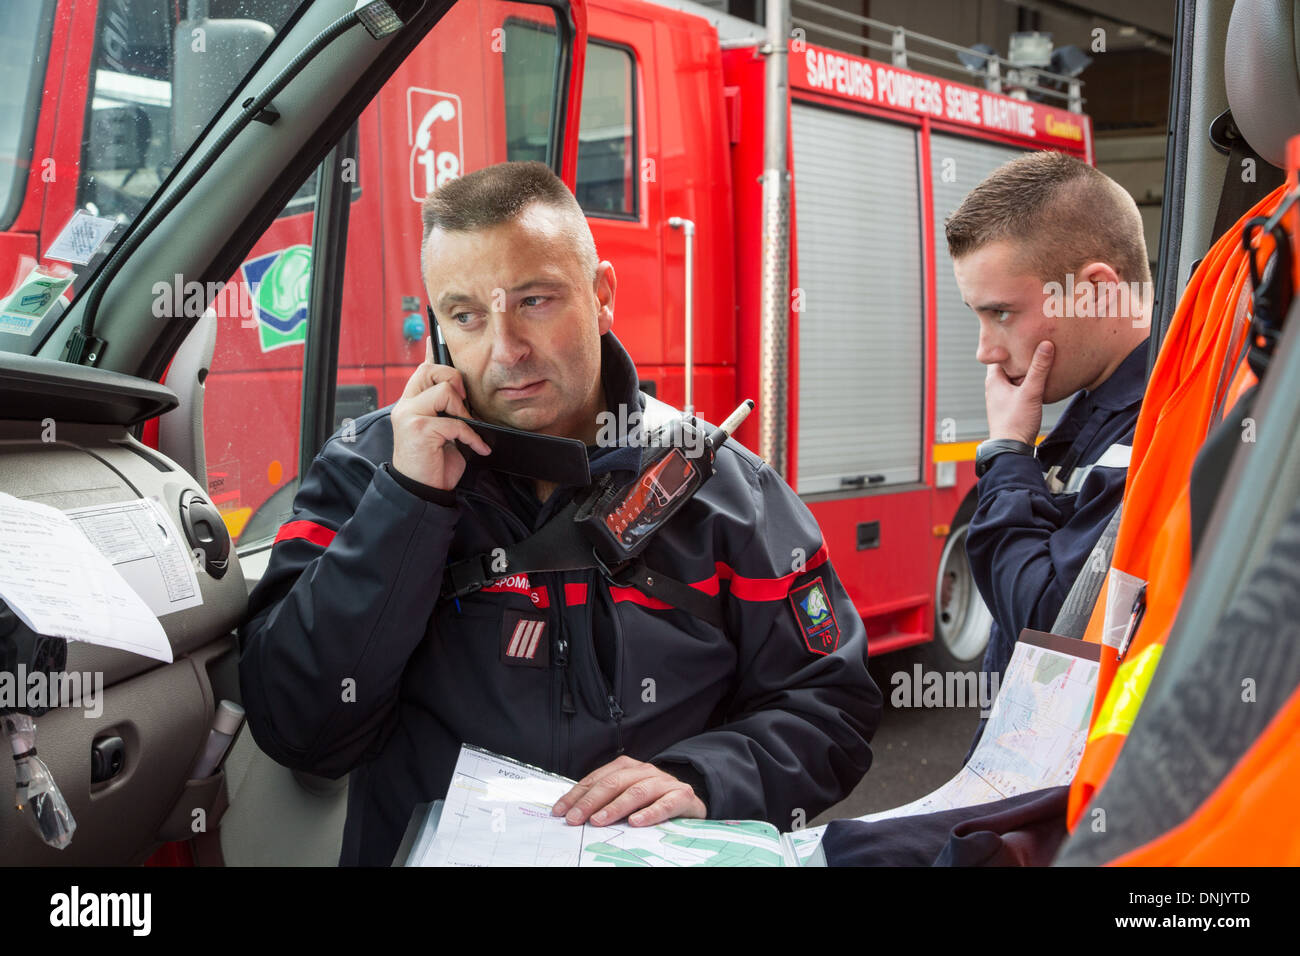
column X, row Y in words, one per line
column 688, row 228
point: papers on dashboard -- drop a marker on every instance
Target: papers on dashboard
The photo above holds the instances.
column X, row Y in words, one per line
column 61, row 584
column 144, row 546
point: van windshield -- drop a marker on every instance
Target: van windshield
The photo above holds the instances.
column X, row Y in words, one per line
column 159, row 72
column 133, row 84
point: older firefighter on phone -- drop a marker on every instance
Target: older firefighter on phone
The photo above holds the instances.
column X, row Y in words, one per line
column 672, row 635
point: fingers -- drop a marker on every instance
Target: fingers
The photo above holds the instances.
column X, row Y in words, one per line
column 580, row 788
column 438, row 398
column 622, row 791
column 638, row 794
column 998, row 388
column 1039, row 366
column 615, row 791
column 429, row 410
column 428, row 373
column 563, row 804
column 679, row 801
column 426, row 376
column 451, row 428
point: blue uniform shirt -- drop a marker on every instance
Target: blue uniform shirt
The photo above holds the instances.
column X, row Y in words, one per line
column 1039, row 518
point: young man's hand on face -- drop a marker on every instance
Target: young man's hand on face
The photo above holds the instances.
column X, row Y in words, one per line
column 423, row 438
column 1016, row 411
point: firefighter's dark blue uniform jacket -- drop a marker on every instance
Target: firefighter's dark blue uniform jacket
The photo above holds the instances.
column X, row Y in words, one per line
column 351, row 663
column 1038, row 519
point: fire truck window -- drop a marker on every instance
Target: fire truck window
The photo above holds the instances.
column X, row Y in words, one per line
column 606, row 141
column 531, row 58
column 24, row 53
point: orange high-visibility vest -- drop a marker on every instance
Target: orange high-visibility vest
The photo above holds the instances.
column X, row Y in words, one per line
column 1208, row 335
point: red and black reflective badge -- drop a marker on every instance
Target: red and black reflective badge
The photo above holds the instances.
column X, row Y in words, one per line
column 816, row 617
column 524, row 641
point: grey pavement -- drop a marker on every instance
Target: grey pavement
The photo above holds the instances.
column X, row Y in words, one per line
column 915, row 750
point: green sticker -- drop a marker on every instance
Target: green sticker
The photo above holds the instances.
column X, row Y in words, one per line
column 280, row 283
column 35, row 296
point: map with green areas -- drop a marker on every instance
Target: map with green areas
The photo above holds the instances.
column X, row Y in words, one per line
column 689, row 843
column 1050, row 667
column 497, row 812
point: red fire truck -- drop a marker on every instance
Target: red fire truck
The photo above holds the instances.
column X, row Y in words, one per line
column 878, row 397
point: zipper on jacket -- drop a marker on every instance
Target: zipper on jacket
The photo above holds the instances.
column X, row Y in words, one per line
column 564, row 703
column 564, row 723
column 616, row 711
column 566, row 697
column 616, row 714
column 568, row 709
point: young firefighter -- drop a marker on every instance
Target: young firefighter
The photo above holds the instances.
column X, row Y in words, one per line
column 1049, row 254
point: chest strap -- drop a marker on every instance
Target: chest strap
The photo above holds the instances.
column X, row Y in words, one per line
column 608, row 527
column 559, row 545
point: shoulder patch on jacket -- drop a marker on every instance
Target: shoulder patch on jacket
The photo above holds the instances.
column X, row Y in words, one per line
column 816, row 617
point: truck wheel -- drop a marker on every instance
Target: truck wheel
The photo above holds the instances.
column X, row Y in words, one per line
column 961, row 620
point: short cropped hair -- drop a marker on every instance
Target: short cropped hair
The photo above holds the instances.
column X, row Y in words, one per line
column 499, row 194
column 1062, row 212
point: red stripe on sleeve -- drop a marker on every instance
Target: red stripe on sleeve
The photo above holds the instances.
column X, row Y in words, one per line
column 310, row 530
column 747, row 589
column 767, row 589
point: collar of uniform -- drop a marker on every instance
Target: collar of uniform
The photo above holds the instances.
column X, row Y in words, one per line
column 1126, row 384
column 1122, row 390
column 622, row 396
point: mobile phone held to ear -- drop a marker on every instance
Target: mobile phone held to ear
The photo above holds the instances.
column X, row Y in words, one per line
column 440, row 353
column 528, row 454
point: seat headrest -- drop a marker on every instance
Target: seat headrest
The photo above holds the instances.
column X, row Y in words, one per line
column 1262, row 73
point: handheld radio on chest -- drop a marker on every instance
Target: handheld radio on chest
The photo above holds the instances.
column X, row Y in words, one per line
column 620, row 520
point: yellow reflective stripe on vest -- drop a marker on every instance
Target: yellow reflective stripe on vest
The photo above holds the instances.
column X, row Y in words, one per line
column 1127, row 691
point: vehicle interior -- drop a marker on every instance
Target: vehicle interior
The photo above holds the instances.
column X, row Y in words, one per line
column 125, row 390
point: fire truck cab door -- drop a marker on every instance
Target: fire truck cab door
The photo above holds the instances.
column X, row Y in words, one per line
column 619, row 171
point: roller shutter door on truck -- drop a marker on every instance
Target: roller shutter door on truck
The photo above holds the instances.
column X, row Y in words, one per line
column 861, row 318
column 957, row 165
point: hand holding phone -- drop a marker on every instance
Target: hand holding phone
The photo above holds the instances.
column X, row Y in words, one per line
column 424, row 438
